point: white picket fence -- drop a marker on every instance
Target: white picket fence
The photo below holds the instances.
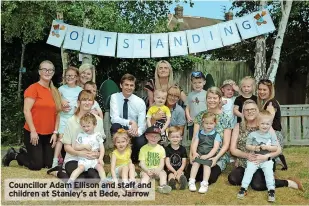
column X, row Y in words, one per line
column 295, row 124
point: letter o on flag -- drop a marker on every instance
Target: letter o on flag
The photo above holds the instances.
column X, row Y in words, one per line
column 71, row 34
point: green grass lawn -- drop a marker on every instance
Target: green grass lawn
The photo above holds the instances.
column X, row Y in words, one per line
column 219, row 193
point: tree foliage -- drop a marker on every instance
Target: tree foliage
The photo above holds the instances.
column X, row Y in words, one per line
column 25, row 20
column 296, row 40
column 30, row 22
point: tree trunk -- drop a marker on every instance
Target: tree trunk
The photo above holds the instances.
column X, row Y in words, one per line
column 307, row 89
column 64, row 54
column 260, row 54
column 86, row 58
column 274, row 62
column 19, row 124
column 260, row 58
column 64, row 58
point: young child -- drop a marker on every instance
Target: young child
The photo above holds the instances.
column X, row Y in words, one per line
column 121, row 164
column 176, row 159
column 261, row 142
column 91, row 141
column 159, row 104
column 247, row 86
column 196, row 100
column 69, row 92
column 228, row 89
column 92, row 87
column 205, row 146
column 151, row 158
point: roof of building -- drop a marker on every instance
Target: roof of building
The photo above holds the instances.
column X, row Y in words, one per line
column 190, row 22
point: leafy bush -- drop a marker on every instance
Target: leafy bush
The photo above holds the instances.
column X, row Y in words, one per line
column 11, row 113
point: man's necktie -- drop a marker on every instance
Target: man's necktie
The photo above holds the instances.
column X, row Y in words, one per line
column 125, row 109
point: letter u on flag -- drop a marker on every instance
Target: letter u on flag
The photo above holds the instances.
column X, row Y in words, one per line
column 160, row 44
column 90, row 41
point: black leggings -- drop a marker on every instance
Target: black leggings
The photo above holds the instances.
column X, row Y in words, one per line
column 39, row 156
column 214, row 175
column 71, row 166
column 258, row 180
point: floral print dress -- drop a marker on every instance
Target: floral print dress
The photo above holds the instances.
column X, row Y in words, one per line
column 224, row 122
column 241, row 144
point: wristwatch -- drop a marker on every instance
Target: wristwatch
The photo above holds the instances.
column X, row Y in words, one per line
column 55, row 132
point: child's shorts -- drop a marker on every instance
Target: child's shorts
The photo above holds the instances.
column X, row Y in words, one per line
column 62, row 123
column 170, row 172
column 203, row 162
column 88, row 163
column 156, row 177
column 109, row 175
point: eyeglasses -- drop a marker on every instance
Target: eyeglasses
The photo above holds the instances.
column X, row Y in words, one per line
column 266, row 82
column 70, row 76
column 250, row 110
column 197, row 74
column 173, row 96
column 50, row 71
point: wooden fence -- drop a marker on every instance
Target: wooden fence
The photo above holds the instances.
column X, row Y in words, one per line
column 295, row 126
column 219, row 70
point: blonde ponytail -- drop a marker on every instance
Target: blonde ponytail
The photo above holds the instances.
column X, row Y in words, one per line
column 56, row 96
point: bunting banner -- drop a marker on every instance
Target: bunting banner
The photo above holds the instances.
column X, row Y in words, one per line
column 125, row 45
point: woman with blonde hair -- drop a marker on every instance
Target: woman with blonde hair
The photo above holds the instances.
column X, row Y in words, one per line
column 42, row 104
column 223, row 127
column 238, row 149
column 163, row 80
column 86, row 73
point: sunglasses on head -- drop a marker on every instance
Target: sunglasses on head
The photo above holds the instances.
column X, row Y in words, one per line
column 197, row 74
column 265, row 81
column 121, row 130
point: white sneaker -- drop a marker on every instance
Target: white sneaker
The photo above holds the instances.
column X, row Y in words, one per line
column 192, row 186
column 165, row 189
column 204, row 187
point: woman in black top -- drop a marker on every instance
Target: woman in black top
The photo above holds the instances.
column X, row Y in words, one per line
column 266, row 101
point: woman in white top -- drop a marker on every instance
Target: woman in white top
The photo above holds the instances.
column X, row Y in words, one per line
column 84, row 102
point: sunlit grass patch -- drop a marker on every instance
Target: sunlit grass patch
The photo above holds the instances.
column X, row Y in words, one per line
column 220, row 192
